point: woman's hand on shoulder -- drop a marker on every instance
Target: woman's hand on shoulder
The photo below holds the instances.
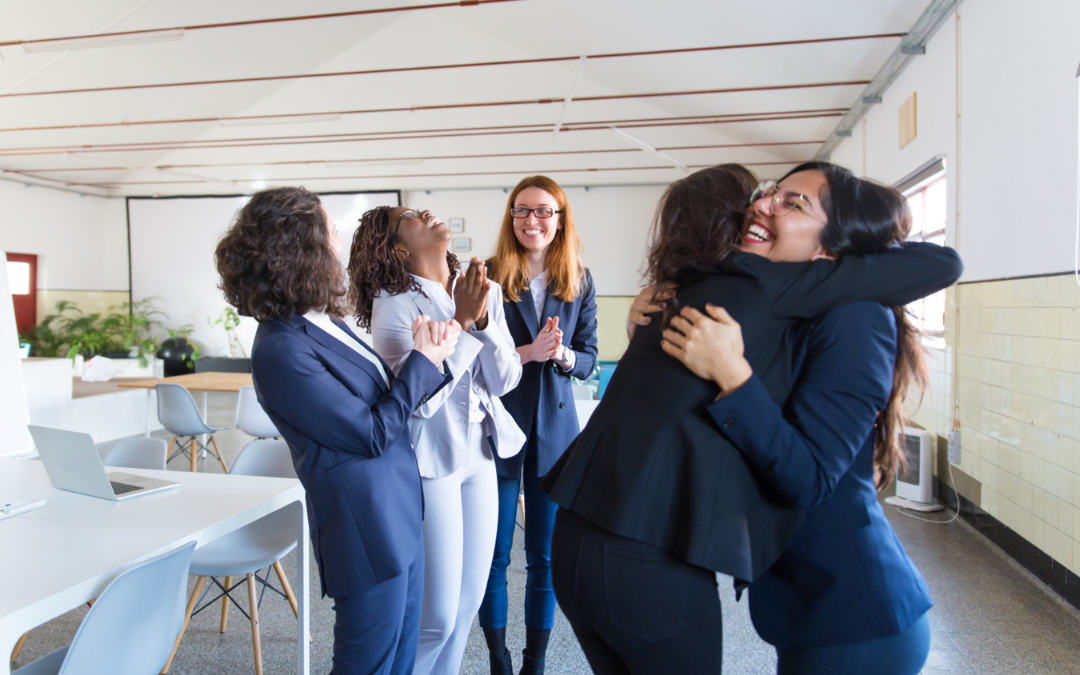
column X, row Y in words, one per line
column 435, row 339
column 471, row 296
column 711, row 346
column 649, row 301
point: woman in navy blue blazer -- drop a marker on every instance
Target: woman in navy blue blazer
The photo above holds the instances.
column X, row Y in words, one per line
column 550, row 307
column 844, row 597
column 345, row 416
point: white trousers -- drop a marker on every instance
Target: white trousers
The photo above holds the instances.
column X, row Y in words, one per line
column 460, row 518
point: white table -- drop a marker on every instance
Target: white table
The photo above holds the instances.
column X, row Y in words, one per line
column 56, row 558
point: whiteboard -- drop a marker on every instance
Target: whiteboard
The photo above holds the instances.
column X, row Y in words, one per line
column 172, row 244
column 14, row 416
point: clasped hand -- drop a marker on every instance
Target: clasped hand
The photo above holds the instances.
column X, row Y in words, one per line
column 547, row 345
column 711, row 346
column 471, row 296
column 435, row 339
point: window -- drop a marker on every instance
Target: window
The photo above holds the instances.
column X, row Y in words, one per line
column 928, row 215
column 19, row 277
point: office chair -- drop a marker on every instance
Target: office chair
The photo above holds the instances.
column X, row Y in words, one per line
column 138, row 453
column 261, row 544
column 130, row 628
column 251, row 418
column 181, row 418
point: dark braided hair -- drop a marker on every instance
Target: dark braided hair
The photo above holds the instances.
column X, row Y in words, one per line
column 276, row 260
column 374, row 265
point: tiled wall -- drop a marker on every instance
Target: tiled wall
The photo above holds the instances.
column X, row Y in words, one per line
column 1015, row 362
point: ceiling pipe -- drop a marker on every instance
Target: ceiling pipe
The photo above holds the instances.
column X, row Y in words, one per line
column 913, row 44
column 569, row 96
column 448, row 66
column 633, row 140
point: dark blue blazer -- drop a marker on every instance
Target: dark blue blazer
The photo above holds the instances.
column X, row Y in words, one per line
column 844, row 577
column 350, row 444
column 544, row 396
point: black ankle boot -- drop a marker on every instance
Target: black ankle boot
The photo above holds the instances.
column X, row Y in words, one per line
column 532, row 657
column 498, row 654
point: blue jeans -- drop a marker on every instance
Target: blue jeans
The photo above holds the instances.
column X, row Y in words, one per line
column 539, row 521
column 901, row 654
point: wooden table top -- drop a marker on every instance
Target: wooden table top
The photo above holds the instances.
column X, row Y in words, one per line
column 197, row 381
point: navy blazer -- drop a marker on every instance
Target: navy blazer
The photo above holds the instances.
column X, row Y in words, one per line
column 544, row 396
column 845, row 577
column 350, row 443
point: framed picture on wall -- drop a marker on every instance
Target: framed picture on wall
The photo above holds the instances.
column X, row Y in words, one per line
column 457, row 225
column 461, row 245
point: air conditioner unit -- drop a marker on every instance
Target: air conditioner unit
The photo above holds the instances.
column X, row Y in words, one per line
column 915, row 486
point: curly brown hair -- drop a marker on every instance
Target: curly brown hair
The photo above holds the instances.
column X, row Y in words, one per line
column 374, row 267
column 276, row 259
column 697, row 222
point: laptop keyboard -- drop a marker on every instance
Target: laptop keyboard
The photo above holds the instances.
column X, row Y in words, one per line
column 121, row 488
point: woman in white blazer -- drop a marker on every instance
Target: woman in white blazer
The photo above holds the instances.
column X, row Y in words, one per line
column 399, row 268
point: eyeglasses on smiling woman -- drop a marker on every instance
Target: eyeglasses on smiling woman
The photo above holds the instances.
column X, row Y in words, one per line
column 783, row 202
column 543, row 212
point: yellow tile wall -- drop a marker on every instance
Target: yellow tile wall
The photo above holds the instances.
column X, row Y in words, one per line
column 1014, row 363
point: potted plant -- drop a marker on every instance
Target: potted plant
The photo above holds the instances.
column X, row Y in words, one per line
column 178, row 352
column 237, row 361
column 131, row 328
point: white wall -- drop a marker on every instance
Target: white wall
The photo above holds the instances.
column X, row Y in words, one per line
column 80, row 241
column 14, row 438
column 613, row 223
column 172, row 252
column 1016, row 165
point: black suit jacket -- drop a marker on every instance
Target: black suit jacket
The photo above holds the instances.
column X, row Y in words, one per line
column 651, row 464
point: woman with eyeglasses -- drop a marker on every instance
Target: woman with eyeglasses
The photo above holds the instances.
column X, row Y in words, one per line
column 345, row 418
column 400, row 268
column 654, row 498
column 843, row 598
column 550, row 309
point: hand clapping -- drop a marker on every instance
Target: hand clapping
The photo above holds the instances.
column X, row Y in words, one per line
column 435, row 339
column 471, row 296
column 547, row 345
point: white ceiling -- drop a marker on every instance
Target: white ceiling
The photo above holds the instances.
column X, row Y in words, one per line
column 489, row 146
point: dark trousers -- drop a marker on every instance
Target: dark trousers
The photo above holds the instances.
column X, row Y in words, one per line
column 636, row 609
column 376, row 631
column 539, row 521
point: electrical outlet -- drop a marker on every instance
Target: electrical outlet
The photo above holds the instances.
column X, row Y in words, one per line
column 954, row 447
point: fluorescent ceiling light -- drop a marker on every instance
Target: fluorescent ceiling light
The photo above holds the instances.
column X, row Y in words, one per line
column 283, row 119
column 119, row 40
column 330, row 164
column 650, row 149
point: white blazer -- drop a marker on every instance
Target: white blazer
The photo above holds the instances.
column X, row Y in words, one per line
column 440, row 426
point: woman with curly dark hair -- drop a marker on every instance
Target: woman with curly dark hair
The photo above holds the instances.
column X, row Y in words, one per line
column 344, row 415
column 399, row 268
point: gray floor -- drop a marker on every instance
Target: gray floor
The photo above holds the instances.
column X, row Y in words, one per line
column 990, row 616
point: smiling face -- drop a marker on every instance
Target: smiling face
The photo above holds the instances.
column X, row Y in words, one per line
column 536, row 234
column 794, row 236
column 418, row 231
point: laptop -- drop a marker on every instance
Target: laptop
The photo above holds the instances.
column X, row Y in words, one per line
column 72, row 462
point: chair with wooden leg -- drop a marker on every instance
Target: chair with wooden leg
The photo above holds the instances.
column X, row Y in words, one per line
column 251, row 418
column 181, row 418
column 138, row 453
column 251, row 549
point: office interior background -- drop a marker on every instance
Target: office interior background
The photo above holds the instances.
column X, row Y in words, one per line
column 123, row 158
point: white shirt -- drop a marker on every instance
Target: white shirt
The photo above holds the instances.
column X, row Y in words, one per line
column 324, row 322
column 538, row 288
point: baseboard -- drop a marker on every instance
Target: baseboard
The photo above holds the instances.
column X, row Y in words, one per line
column 1049, row 571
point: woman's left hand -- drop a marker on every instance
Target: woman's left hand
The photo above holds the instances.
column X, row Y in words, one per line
column 710, row 346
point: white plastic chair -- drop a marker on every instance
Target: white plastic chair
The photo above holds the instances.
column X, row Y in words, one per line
column 130, row 628
column 249, row 550
column 138, row 453
column 251, row 418
column 181, row 418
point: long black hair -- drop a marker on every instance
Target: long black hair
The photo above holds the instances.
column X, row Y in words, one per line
column 865, row 218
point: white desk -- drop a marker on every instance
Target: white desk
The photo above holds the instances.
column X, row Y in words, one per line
column 56, row 558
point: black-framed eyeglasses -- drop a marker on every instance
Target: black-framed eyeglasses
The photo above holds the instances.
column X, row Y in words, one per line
column 542, row 212
column 783, row 202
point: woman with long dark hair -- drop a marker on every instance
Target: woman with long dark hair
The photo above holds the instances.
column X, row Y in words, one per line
column 550, row 310
column 843, row 598
column 399, row 268
column 653, row 498
column 344, row 415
